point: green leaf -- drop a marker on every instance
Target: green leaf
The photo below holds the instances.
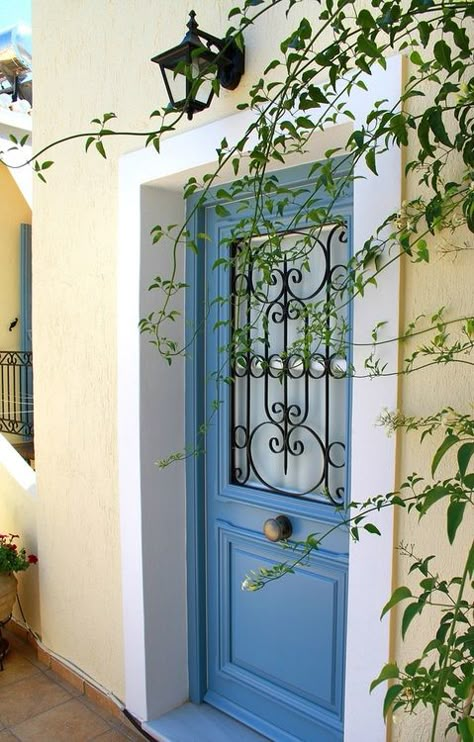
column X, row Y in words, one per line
column 416, row 58
column 431, row 497
column 448, row 442
column 401, row 593
column 468, row 481
column 461, row 39
column 390, row 697
column 437, row 126
column 221, row 210
column 220, row 261
column 442, row 54
column 424, row 29
column 470, row 561
column 409, row 614
column 47, row 164
column 422, row 252
column 465, row 454
column 367, row 47
column 89, row 142
column 366, row 20
column 388, row 672
column 466, row 729
column 423, row 133
column 372, row 529
column 454, row 516
column 100, row 148
column 304, row 122
column 370, row 160
column 412, row 667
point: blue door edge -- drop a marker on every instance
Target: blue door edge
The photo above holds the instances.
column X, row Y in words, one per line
column 195, row 505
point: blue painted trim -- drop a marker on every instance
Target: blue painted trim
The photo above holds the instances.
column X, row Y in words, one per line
column 249, row 719
column 263, row 727
column 26, row 319
column 25, row 286
column 195, row 504
column 190, row 722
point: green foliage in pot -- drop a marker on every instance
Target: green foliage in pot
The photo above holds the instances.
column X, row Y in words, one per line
column 13, row 559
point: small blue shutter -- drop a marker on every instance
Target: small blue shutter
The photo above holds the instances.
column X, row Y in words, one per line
column 26, row 382
column 25, row 286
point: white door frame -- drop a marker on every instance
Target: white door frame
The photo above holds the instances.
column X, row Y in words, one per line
column 151, row 423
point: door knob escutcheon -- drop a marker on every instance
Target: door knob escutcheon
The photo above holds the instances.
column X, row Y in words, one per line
column 278, row 529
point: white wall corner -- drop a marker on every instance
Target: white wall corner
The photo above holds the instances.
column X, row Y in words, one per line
column 17, row 467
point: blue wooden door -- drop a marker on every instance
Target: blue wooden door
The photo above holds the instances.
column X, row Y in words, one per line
column 276, row 443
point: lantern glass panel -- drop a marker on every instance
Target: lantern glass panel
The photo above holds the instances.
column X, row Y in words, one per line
column 204, row 91
column 177, row 85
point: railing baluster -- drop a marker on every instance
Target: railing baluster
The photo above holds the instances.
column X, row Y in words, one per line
column 16, row 400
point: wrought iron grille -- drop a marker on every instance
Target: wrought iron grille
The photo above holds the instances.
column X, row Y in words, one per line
column 16, row 392
column 289, row 400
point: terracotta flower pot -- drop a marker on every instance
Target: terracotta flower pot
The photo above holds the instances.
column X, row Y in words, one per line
column 8, row 585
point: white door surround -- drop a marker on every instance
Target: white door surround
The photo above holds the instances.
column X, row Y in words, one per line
column 151, row 423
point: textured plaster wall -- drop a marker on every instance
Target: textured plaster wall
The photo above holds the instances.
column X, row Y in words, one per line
column 13, row 211
column 445, row 281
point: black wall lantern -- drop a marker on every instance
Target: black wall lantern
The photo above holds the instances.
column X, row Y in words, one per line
column 189, row 68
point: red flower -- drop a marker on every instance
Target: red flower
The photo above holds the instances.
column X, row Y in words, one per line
column 32, row 559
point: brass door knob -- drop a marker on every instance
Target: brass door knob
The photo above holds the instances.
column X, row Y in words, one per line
column 278, row 529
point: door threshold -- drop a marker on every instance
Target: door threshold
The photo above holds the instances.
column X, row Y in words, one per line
column 199, row 723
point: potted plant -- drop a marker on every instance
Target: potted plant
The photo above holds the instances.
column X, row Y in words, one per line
column 12, row 559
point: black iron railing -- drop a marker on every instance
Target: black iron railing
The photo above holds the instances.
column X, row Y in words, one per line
column 16, row 392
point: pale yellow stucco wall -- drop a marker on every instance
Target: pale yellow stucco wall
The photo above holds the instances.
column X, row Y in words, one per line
column 444, row 282
column 92, row 57
column 13, row 211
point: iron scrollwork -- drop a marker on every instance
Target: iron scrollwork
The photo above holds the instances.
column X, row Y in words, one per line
column 283, row 435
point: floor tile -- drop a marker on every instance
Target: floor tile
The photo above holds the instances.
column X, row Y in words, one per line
column 111, row 719
column 16, row 667
column 127, row 731
column 69, row 722
column 26, row 650
column 52, row 675
column 26, row 698
column 112, row 736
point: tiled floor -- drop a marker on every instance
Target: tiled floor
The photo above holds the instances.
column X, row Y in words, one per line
column 36, row 705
